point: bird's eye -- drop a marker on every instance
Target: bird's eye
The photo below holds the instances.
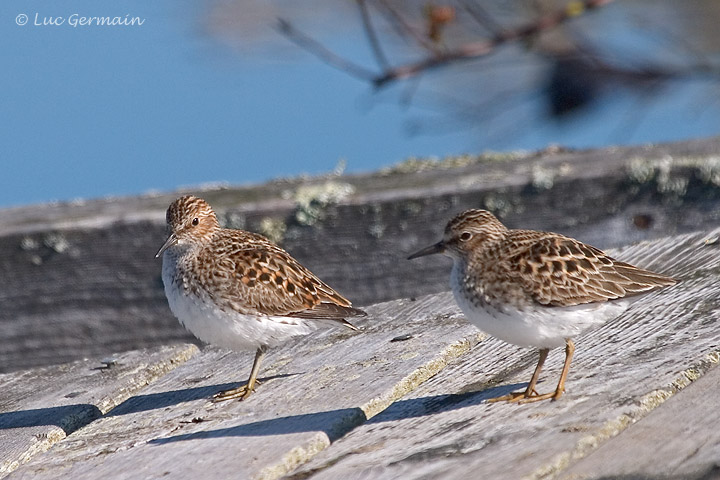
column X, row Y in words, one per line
column 465, row 236
column 195, row 221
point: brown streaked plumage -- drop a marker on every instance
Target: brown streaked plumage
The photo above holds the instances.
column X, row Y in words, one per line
column 238, row 290
column 536, row 288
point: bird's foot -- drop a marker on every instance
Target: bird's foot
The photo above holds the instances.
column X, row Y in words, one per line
column 242, row 392
column 526, row 397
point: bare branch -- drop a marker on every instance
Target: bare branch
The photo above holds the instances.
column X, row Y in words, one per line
column 483, row 48
column 469, row 51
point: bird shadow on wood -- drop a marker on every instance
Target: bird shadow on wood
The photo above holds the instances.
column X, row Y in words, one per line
column 336, row 423
column 154, row 401
column 71, row 417
column 67, row 417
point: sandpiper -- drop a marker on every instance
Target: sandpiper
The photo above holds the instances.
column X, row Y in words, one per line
column 533, row 288
column 237, row 290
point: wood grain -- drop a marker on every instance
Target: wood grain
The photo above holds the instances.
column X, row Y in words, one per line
column 41, row 407
column 406, row 397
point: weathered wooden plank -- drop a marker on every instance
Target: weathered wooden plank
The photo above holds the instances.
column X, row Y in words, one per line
column 679, row 440
column 40, row 407
column 79, row 277
column 621, row 371
column 314, row 391
column 324, row 385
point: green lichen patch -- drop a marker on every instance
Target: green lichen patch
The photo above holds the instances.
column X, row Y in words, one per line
column 311, row 201
column 671, row 175
column 415, row 164
column 273, row 228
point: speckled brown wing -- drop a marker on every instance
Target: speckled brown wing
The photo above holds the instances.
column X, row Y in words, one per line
column 560, row 271
column 267, row 280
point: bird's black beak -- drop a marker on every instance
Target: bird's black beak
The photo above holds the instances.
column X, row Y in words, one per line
column 172, row 240
column 431, row 250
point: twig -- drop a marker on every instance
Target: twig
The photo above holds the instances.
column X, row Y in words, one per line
column 410, row 91
column 467, row 52
column 323, row 53
column 403, row 26
column 372, row 36
column 481, row 16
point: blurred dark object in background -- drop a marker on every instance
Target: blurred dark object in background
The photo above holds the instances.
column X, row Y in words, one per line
column 490, row 64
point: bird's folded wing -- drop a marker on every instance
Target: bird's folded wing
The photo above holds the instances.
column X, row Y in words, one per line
column 560, row 271
column 267, row 279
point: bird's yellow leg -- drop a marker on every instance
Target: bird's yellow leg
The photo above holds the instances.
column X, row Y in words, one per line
column 243, row 391
column 530, row 391
column 569, row 350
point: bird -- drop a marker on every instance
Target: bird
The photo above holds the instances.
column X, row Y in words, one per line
column 238, row 290
column 533, row 288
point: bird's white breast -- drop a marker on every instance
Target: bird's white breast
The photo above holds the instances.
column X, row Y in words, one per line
column 226, row 329
column 534, row 325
